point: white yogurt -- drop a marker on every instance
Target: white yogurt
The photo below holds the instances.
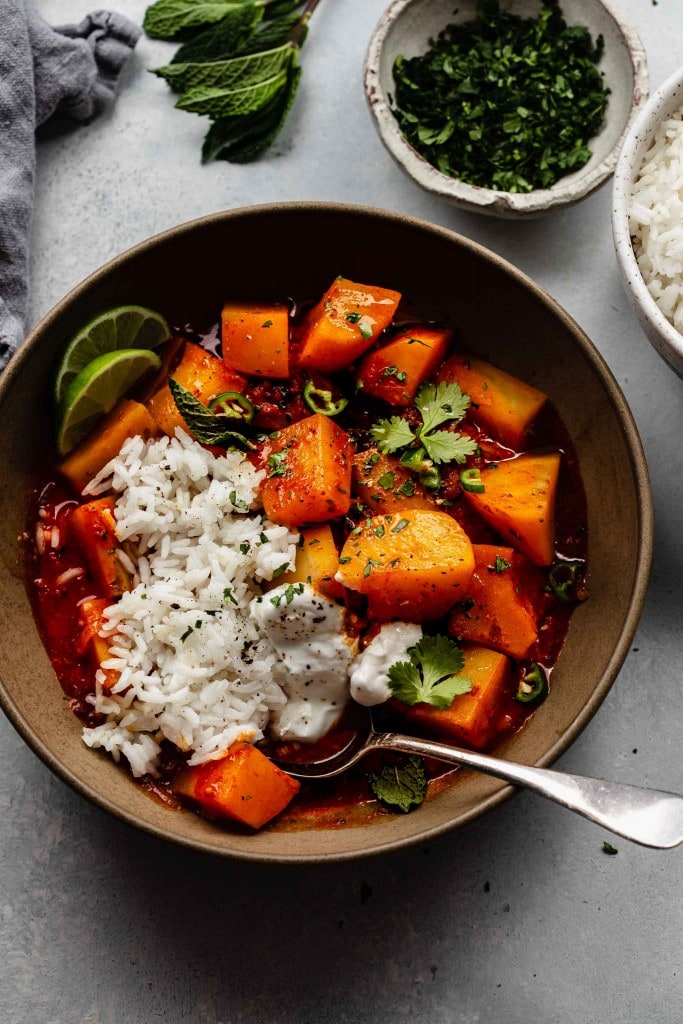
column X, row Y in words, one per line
column 369, row 678
column 308, row 635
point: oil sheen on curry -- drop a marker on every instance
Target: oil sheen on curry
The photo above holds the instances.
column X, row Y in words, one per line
column 251, row 531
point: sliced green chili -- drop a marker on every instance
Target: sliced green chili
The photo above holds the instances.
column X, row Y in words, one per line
column 415, row 458
column 564, row 580
column 320, row 400
column 431, row 478
column 233, row 406
column 471, row 480
column 533, row 687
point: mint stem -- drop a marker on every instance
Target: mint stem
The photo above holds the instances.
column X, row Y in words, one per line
column 301, row 25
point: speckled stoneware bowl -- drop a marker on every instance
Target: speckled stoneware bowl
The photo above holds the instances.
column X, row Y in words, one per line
column 406, row 28
column 297, row 249
column 663, row 335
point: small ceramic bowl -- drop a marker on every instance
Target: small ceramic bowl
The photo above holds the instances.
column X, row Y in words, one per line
column 406, row 28
column 185, row 273
column 663, row 335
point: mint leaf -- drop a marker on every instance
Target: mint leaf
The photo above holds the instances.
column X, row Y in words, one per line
column 400, row 787
column 226, row 74
column 272, row 34
column 201, row 422
column 392, row 434
column 243, row 139
column 432, row 674
column 447, row 446
column 226, row 39
column 440, row 402
column 233, row 102
column 171, row 19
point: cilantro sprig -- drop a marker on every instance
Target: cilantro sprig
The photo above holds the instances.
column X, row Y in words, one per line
column 432, row 676
column 437, row 404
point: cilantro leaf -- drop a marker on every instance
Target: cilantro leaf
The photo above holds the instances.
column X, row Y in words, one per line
column 400, row 787
column 440, row 402
column 432, row 674
column 392, row 434
column 447, row 446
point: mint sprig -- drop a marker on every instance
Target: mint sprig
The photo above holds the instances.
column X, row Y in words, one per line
column 201, row 422
column 242, row 71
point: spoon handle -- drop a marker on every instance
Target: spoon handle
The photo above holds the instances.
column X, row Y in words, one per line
column 646, row 816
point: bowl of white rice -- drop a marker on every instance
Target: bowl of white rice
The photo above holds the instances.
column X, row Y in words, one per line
column 647, row 219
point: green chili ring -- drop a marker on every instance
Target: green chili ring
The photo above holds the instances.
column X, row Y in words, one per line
column 320, row 400
column 231, row 405
column 533, row 687
column 431, row 478
column 471, row 480
column 564, row 580
column 416, row 459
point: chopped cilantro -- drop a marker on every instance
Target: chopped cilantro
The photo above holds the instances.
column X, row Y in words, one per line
column 188, row 632
column 237, row 503
column 500, row 564
column 432, row 674
column 608, row 848
column 407, row 489
column 386, row 481
column 227, row 595
column 267, row 323
column 280, row 570
column 370, row 565
column 277, row 463
column 379, row 531
column 244, row 548
column 353, row 318
column 401, row 525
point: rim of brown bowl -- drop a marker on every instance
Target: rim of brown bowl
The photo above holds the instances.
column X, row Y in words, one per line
column 643, row 502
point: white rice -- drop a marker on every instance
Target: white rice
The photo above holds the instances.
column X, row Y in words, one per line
column 194, row 667
column 656, row 218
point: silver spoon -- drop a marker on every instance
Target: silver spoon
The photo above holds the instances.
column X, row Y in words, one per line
column 646, row 816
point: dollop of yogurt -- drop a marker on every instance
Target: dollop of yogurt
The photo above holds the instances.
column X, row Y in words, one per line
column 368, row 677
column 307, row 631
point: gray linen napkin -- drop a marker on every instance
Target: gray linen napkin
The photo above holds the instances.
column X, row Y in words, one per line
column 67, row 73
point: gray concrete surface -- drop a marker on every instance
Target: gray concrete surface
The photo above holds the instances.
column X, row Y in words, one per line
column 520, row 918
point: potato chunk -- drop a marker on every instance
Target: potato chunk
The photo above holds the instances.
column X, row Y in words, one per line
column 473, row 718
column 412, row 567
column 309, row 470
column 244, row 786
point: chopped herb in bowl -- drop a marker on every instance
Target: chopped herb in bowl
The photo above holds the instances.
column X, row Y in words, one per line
column 504, row 102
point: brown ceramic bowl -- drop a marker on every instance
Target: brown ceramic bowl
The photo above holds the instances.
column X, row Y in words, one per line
column 296, row 250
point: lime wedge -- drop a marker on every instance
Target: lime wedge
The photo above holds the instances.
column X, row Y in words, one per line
column 123, row 327
column 97, row 389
